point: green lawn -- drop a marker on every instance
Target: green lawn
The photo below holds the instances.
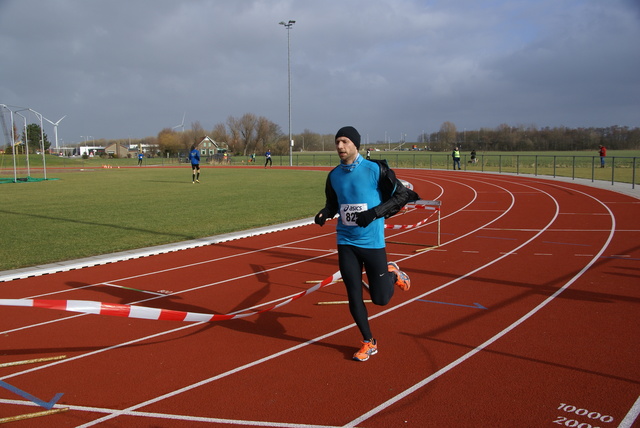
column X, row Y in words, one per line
column 99, row 211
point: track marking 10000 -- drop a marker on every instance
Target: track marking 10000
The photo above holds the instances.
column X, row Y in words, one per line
column 596, row 416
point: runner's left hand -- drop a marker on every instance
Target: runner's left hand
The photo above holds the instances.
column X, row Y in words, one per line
column 365, row 218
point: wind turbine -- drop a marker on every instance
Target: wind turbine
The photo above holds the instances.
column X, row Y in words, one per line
column 55, row 129
column 182, row 124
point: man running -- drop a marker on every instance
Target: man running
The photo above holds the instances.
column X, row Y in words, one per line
column 364, row 192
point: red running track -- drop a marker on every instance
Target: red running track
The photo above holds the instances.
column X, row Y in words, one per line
column 525, row 316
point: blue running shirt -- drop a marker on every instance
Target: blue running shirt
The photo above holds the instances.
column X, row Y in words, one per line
column 357, row 190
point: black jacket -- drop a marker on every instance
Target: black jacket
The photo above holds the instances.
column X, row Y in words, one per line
column 394, row 194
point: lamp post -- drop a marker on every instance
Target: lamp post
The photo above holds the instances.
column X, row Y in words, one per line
column 288, row 26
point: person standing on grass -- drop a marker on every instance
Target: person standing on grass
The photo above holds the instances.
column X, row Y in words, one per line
column 140, row 157
column 194, row 158
column 603, row 153
column 267, row 159
column 364, row 192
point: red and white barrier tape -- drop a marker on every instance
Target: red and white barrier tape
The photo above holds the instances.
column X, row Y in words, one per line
column 406, row 226
column 420, row 207
column 143, row 312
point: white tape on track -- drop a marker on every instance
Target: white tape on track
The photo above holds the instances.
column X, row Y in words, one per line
column 143, row 312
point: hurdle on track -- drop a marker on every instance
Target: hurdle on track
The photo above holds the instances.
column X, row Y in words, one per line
column 425, row 205
column 436, row 206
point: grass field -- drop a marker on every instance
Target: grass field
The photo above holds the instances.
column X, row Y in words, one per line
column 99, row 211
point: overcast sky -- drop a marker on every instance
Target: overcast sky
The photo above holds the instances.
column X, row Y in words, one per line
column 129, row 68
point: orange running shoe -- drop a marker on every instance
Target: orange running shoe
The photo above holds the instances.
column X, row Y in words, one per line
column 368, row 349
column 402, row 279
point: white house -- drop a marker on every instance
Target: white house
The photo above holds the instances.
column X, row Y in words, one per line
column 208, row 147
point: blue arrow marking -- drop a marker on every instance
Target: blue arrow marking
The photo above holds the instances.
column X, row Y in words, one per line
column 475, row 305
column 47, row 405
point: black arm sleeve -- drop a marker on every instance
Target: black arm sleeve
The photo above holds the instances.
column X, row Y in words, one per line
column 331, row 204
column 395, row 195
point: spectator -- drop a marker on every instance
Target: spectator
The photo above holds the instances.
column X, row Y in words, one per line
column 194, row 157
column 268, row 159
column 603, row 154
column 456, row 157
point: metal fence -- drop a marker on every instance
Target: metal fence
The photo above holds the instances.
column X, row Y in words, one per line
column 620, row 169
column 617, row 168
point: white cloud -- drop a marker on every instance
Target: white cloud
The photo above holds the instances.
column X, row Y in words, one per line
column 119, row 69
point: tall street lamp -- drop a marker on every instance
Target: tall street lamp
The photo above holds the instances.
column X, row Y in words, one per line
column 288, row 26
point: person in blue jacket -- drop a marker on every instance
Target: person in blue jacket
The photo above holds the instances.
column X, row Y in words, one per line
column 364, row 193
column 194, row 157
column 267, row 159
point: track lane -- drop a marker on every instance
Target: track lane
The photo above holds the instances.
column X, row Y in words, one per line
column 343, row 342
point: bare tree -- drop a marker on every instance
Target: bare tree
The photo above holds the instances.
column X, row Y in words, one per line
column 248, row 134
column 448, row 133
column 268, row 134
column 233, row 127
column 248, row 129
column 219, row 133
column 169, row 142
column 309, row 141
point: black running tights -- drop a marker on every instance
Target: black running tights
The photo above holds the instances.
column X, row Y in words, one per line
column 381, row 281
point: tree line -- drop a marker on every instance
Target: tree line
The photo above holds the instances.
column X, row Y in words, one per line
column 531, row 138
column 252, row 134
column 255, row 134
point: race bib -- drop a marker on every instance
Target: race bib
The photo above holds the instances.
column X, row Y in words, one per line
column 349, row 213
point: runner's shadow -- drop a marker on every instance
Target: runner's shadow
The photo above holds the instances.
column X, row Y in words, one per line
column 269, row 323
column 266, row 324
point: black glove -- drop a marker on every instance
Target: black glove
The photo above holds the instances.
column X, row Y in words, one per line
column 322, row 216
column 365, row 217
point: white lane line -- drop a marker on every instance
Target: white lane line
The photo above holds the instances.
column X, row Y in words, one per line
column 171, row 416
column 183, row 291
column 303, row 344
column 233, row 371
column 327, row 253
column 631, row 417
column 493, row 339
column 174, row 268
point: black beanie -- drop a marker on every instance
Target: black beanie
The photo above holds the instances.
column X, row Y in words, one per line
column 351, row 133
